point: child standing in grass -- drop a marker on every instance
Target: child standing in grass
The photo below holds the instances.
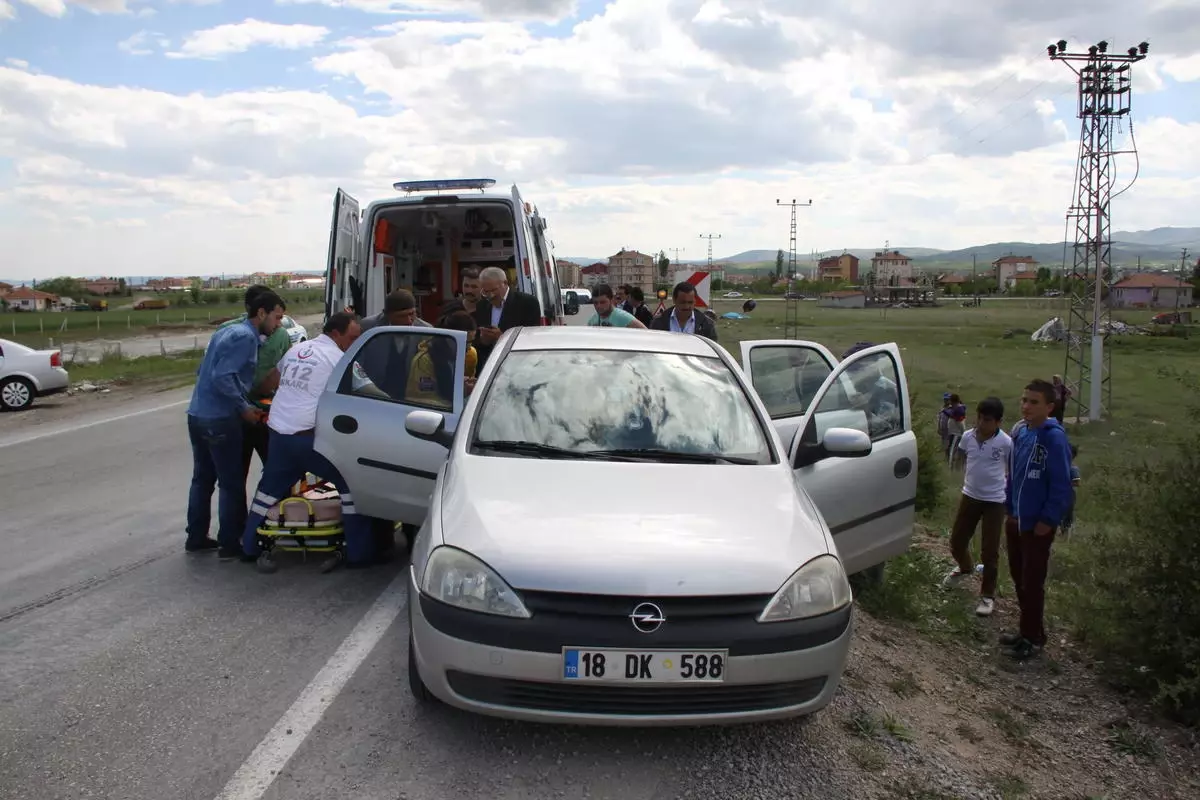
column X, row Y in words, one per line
column 956, row 415
column 943, row 426
column 1037, row 499
column 987, row 450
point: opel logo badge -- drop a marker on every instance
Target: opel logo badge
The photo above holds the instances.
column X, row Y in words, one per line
column 647, row 618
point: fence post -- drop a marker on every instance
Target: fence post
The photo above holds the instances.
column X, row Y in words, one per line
column 41, row 326
column 97, row 322
column 158, row 319
column 129, row 321
column 162, row 348
column 185, row 317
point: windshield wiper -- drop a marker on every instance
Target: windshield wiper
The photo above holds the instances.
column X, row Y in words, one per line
column 547, row 450
column 655, row 454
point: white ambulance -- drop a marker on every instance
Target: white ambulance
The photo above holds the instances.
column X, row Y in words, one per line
column 423, row 240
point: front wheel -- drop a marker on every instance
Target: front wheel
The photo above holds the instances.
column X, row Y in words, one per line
column 16, row 394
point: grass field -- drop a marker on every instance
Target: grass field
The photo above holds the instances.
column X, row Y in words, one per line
column 36, row 329
column 963, row 350
column 1123, row 587
column 178, row 366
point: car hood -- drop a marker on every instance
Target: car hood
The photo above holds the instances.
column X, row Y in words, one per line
column 597, row 527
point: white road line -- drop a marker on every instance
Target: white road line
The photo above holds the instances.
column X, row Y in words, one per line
column 255, row 776
column 84, row 425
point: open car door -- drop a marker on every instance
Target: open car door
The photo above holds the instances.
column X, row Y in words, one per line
column 786, row 374
column 343, row 272
column 387, row 373
column 869, row 502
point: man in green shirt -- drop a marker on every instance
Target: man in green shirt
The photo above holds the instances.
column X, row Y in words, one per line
column 266, row 378
column 608, row 313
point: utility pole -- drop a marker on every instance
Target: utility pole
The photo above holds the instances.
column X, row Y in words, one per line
column 710, row 237
column 1182, row 276
column 1105, row 83
column 974, row 285
column 676, row 251
column 791, row 314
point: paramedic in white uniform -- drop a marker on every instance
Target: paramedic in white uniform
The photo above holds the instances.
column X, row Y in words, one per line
column 303, row 373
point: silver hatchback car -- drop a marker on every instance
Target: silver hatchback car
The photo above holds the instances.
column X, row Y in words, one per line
column 705, row 579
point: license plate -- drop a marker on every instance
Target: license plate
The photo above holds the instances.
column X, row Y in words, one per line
column 644, row 666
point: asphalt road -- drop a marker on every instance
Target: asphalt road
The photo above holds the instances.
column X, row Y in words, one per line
column 131, row 670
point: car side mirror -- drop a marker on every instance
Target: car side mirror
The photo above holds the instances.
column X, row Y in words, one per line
column 428, row 425
column 837, row 443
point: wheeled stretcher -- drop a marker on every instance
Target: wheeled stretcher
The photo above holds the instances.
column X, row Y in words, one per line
column 310, row 521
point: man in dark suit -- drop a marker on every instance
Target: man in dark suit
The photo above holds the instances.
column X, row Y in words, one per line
column 683, row 316
column 500, row 308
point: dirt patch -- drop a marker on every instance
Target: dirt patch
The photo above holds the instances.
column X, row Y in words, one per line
column 932, row 720
column 116, row 397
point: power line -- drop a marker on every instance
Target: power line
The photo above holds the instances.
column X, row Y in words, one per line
column 1105, row 94
column 791, row 316
column 710, row 237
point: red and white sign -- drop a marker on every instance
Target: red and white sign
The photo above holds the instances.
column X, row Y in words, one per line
column 703, row 283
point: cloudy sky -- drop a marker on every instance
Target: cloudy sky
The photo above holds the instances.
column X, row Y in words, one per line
column 205, row 136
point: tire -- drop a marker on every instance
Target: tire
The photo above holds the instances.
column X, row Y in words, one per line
column 16, row 394
column 415, row 685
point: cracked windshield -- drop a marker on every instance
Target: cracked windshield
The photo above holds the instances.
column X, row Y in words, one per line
column 608, row 399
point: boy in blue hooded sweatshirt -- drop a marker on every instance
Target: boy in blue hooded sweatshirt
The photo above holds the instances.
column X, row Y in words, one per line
column 1037, row 497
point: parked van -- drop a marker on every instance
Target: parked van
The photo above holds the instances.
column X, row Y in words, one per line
column 423, row 240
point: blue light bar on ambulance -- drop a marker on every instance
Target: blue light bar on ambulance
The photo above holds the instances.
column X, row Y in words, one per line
column 408, row 187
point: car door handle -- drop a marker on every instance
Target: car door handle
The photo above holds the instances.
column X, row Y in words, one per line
column 900, row 469
column 345, row 424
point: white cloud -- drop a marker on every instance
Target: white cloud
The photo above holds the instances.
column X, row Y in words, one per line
column 504, row 9
column 241, row 36
column 648, row 124
column 138, row 43
column 1184, row 69
column 19, row 63
column 58, row 8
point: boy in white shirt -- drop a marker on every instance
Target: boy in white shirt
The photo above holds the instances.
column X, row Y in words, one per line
column 986, row 449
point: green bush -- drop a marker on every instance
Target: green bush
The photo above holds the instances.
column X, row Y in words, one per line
column 1130, row 588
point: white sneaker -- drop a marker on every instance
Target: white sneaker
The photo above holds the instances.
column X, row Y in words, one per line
column 986, row 606
column 955, row 577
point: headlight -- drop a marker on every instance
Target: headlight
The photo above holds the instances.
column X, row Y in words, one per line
column 459, row 579
column 817, row 588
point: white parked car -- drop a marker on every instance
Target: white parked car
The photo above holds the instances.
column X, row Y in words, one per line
column 731, row 295
column 706, row 580
column 295, row 331
column 26, row 374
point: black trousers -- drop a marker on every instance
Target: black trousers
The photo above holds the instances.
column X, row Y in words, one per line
column 254, row 440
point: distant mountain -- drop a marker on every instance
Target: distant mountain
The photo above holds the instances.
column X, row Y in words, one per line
column 1161, row 237
column 1123, row 253
column 748, row 257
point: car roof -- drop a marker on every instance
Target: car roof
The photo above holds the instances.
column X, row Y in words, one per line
column 572, row 337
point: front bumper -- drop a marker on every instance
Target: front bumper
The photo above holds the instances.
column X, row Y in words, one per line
column 526, row 684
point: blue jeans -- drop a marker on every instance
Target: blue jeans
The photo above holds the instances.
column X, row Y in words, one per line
column 216, row 461
column 289, row 457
